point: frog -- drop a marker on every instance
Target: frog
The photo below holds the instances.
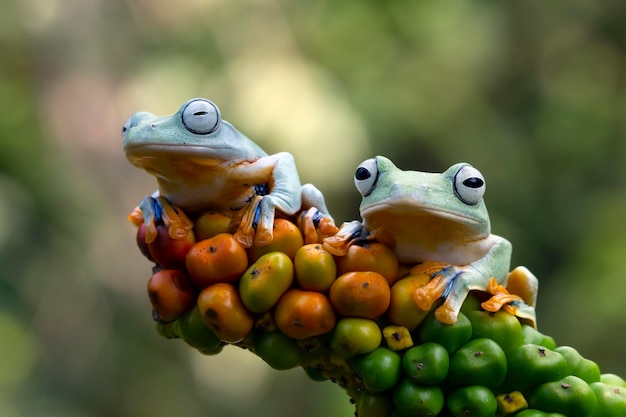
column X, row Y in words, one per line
column 203, row 163
column 439, row 220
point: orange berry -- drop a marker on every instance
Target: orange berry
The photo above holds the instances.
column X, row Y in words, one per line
column 360, row 294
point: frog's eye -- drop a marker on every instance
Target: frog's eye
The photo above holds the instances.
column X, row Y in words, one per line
column 201, row 116
column 127, row 125
column 365, row 177
column 469, row 185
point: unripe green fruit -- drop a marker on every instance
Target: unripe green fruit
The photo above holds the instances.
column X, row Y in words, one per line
column 479, row 362
column 473, row 401
column 278, row 350
column 570, row 396
column 501, row 327
column 412, row 399
column 426, row 364
column 450, row 336
column 611, row 400
column 530, row 365
column 380, row 369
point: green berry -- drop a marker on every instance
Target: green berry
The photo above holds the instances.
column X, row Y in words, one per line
column 426, row 364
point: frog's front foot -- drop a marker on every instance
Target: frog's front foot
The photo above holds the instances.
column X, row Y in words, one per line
column 518, row 298
column 158, row 210
column 348, row 233
column 435, row 289
column 249, row 230
column 315, row 225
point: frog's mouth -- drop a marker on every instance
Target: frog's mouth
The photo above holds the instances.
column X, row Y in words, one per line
column 416, row 210
column 182, row 149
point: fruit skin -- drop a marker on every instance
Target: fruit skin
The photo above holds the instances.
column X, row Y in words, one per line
column 511, row 402
column 380, row 370
column 315, row 268
column 426, row 364
column 218, row 259
column 265, row 281
column 211, row 224
column 570, row 396
column 578, row 366
column 304, row 314
column 168, row 252
column 355, row 336
column 287, row 239
column 502, row 327
column 370, row 256
column 397, row 337
column 191, row 328
column 611, row 400
column 141, row 242
column 278, row 350
column 479, row 362
column 411, row 399
column 472, row 401
column 224, row 313
column 612, row 379
column 532, row 335
column 360, row 294
column 171, row 293
column 530, row 365
column 373, row 405
column 402, row 309
column 450, row 336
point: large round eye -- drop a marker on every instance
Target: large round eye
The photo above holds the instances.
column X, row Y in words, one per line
column 127, row 125
column 469, row 185
column 201, row 116
column 365, row 177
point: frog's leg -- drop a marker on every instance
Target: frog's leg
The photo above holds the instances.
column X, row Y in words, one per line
column 460, row 280
column 280, row 172
column 315, row 220
column 158, row 210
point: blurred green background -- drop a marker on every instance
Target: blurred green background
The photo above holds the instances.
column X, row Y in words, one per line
column 532, row 93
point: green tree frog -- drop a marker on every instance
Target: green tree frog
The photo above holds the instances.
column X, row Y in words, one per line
column 201, row 162
column 438, row 217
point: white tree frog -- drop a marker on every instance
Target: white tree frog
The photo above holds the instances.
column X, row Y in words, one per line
column 432, row 217
column 201, row 162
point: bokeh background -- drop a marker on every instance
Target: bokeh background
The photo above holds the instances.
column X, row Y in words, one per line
column 532, row 93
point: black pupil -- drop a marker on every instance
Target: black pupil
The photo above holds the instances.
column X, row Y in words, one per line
column 473, row 182
column 200, row 113
column 362, row 174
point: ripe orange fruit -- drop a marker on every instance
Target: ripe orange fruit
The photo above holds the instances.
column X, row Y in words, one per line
column 287, row 239
column 224, row 313
column 370, row 256
column 360, row 294
column 171, row 293
column 218, row 259
column 303, row 314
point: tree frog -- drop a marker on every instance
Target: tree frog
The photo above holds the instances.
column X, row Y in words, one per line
column 438, row 217
column 201, row 162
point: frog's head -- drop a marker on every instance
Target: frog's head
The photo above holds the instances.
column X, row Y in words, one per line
column 453, row 198
column 196, row 130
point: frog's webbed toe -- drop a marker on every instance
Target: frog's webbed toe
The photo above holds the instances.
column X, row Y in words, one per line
column 158, row 210
column 315, row 225
column 524, row 283
column 250, row 230
column 348, row 233
column 513, row 303
column 426, row 295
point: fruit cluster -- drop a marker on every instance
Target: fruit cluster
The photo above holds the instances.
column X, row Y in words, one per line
column 353, row 320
